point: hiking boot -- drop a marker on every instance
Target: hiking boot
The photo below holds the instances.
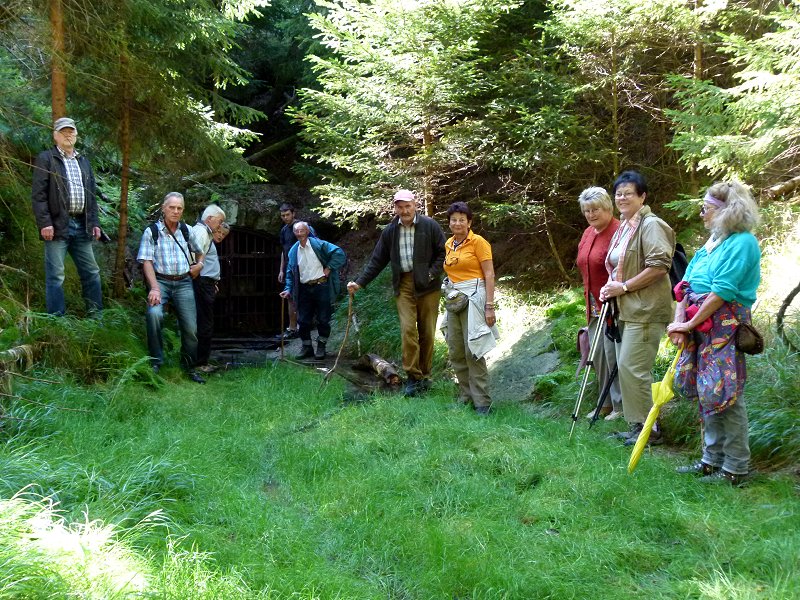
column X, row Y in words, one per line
column 633, row 431
column 306, row 352
column 483, row 410
column 320, row 353
column 413, row 388
column 290, row 334
column 424, row 385
column 723, row 476
column 698, row 468
column 654, row 439
column 195, row 376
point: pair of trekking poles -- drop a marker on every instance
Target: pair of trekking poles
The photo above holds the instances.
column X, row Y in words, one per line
column 597, row 339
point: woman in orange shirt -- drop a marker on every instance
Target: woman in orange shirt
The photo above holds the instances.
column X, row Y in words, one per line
column 471, row 332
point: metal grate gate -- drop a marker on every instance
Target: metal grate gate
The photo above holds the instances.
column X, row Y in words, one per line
column 248, row 301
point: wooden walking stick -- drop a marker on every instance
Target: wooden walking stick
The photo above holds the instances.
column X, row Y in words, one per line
column 344, row 341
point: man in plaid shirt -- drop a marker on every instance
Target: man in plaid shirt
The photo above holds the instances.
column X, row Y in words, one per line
column 65, row 206
column 414, row 246
column 166, row 253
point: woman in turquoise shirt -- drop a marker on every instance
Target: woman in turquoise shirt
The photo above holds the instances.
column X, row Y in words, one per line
column 718, row 290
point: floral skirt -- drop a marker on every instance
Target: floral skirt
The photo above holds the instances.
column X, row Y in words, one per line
column 710, row 368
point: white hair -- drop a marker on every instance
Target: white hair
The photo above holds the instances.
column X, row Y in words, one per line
column 212, row 210
column 300, row 224
column 740, row 212
column 170, row 195
column 595, row 197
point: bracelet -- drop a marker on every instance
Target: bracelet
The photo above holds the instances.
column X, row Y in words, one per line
column 488, row 306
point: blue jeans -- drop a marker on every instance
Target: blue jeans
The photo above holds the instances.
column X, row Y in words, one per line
column 79, row 246
column 180, row 295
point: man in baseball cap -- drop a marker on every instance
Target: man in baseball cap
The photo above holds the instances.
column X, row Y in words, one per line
column 64, row 198
column 414, row 245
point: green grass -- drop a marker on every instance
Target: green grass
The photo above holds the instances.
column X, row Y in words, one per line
column 256, row 485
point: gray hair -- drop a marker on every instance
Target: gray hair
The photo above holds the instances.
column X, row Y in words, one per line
column 595, row 197
column 300, row 224
column 224, row 226
column 171, row 195
column 740, row 212
column 212, row 210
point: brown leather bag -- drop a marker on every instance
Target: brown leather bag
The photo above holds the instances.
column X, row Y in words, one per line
column 748, row 339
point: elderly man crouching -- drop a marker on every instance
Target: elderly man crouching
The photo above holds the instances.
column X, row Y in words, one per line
column 312, row 288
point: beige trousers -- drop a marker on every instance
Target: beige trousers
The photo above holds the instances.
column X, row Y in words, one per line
column 417, row 327
column 636, row 355
column 471, row 372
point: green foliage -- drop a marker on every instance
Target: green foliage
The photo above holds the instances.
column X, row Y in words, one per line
column 400, row 80
column 106, row 349
column 748, row 129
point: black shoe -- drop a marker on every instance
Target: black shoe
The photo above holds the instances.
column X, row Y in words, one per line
column 413, row 388
column 698, row 468
column 483, row 410
column 306, row 352
column 195, row 376
column 723, row 476
column 320, row 353
column 425, row 385
column 156, row 369
column 290, row 334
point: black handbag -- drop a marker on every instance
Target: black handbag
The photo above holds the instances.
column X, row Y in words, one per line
column 748, row 339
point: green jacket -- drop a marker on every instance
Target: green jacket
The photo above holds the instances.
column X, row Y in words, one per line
column 652, row 245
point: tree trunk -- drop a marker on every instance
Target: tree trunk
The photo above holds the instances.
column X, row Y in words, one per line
column 614, row 109
column 125, row 148
column 58, row 75
column 553, row 248
column 697, row 75
column 427, row 142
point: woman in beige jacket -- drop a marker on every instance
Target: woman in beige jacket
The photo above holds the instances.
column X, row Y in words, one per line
column 638, row 261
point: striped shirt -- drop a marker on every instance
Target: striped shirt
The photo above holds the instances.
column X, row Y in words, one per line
column 169, row 255
column 77, row 202
column 407, row 246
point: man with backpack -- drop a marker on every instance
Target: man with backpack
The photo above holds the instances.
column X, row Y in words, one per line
column 165, row 253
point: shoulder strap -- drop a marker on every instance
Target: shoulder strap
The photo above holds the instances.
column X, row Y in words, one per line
column 153, row 227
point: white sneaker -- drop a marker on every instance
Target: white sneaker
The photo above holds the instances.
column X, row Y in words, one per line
column 614, row 415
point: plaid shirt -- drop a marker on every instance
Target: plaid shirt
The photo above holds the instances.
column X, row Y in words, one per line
column 170, row 257
column 77, row 202
column 406, row 240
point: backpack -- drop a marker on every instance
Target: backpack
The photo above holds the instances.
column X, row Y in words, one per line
column 153, row 227
column 678, row 267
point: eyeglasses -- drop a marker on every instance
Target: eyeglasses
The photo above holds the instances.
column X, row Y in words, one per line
column 706, row 208
column 626, row 195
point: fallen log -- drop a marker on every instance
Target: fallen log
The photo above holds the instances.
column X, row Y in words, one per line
column 381, row 367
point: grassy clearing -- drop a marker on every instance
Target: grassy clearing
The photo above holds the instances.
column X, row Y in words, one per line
column 261, row 487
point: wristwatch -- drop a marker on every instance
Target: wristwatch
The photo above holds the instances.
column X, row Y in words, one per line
column 625, row 286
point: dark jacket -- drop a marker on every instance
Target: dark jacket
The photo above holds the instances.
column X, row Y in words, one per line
column 50, row 197
column 330, row 255
column 429, row 255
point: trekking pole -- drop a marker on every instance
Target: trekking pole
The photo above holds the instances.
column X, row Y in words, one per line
column 604, row 395
column 589, row 364
column 344, row 341
column 283, row 332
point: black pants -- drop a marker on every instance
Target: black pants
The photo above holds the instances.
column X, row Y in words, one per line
column 205, row 290
column 314, row 300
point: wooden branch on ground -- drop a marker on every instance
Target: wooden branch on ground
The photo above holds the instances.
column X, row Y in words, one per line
column 781, row 189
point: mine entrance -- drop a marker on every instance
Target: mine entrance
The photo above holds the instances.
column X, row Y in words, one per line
column 248, row 303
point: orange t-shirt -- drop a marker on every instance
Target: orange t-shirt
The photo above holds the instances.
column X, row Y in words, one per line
column 464, row 262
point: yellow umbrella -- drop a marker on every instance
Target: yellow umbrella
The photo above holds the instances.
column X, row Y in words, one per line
column 662, row 393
